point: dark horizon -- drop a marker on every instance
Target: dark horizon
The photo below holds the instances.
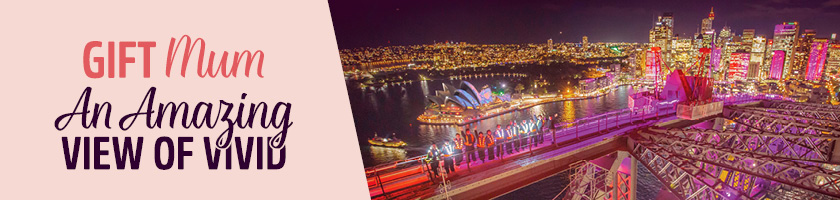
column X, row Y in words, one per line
column 376, row 23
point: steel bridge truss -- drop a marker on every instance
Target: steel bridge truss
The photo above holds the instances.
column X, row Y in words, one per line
column 697, row 169
column 777, row 122
column 590, row 182
column 812, row 148
column 807, row 107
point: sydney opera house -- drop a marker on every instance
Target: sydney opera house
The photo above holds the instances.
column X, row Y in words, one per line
column 462, row 104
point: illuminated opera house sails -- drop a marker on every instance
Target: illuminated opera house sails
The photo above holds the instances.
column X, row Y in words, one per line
column 466, row 96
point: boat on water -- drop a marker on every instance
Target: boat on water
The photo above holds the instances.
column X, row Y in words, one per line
column 392, row 141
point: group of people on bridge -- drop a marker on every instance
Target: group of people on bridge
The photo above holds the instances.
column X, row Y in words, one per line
column 490, row 144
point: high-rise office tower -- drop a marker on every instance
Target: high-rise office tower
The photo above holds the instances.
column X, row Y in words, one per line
column 784, row 39
column 706, row 25
column 724, row 41
column 747, row 39
column 652, row 35
column 801, row 52
column 777, row 65
column 707, row 31
column 768, row 54
column 550, row 43
column 663, row 31
column 725, row 35
column 667, row 25
column 832, row 65
column 757, row 59
column 738, row 66
column 584, row 40
column 758, row 44
column 816, row 60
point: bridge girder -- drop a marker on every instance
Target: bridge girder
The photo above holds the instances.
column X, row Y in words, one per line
column 714, row 161
column 814, row 148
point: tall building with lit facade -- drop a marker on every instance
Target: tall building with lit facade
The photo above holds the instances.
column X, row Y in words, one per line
column 681, row 51
column 747, row 39
column 784, row 39
column 641, row 63
column 801, row 52
column 706, row 24
column 663, row 31
column 652, row 64
column 584, row 40
column 832, row 64
column 725, row 43
column 652, row 35
column 816, row 60
column 550, row 43
column 725, row 35
column 738, row 66
column 757, row 59
column 706, row 30
column 777, row 65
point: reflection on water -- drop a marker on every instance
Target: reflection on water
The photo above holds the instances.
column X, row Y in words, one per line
column 387, row 154
column 568, row 112
column 394, row 109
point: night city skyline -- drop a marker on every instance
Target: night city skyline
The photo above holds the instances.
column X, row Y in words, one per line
column 390, row 23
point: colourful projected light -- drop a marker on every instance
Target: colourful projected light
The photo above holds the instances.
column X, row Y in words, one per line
column 738, row 63
column 715, row 60
column 816, row 61
column 777, row 64
column 652, row 65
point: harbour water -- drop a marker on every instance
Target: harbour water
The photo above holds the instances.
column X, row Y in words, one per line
column 394, row 109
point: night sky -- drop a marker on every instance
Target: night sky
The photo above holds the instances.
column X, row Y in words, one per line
column 372, row 23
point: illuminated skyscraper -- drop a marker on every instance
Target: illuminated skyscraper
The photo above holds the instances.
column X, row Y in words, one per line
column 585, row 41
column 755, row 62
column 768, row 57
column 550, row 43
column 777, row 65
column 832, row 66
column 663, row 31
column 757, row 59
column 652, row 64
column 707, row 31
column 747, row 39
column 758, row 44
column 652, row 35
column 725, row 43
column 816, row 60
column 784, row 39
column 738, row 66
column 707, row 22
column 725, row 35
column 801, row 52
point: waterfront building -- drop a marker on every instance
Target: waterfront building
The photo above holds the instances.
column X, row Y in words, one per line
column 457, row 104
column 594, row 84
